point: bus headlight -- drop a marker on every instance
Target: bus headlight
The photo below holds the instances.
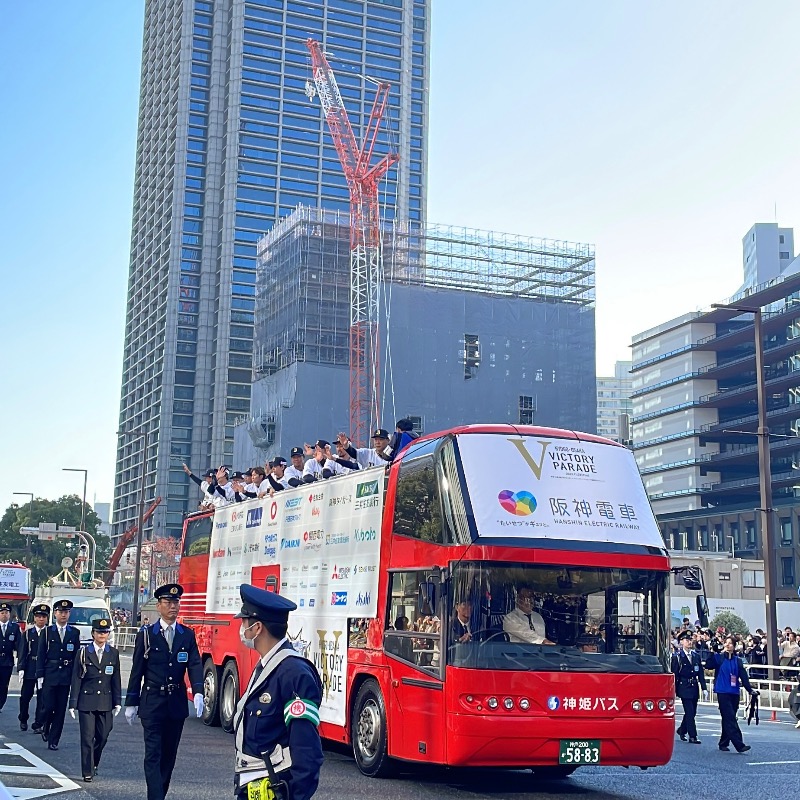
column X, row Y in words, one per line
column 662, row 705
column 649, row 705
column 636, row 705
column 508, row 703
column 524, row 703
column 492, row 702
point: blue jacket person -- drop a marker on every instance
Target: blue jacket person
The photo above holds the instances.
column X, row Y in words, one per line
column 687, row 667
column 10, row 639
column 58, row 646
column 96, row 692
column 163, row 654
column 278, row 714
column 26, row 668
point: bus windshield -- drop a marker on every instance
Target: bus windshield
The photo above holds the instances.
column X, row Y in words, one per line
column 552, row 618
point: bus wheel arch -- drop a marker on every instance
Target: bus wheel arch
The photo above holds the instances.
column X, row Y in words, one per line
column 211, row 688
column 228, row 695
column 368, row 730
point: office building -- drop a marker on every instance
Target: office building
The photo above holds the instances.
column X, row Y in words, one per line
column 478, row 326
column 695, row 420
column 228, row 143
column 614, row 404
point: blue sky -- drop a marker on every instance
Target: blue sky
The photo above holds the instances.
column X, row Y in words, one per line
column 659, row 132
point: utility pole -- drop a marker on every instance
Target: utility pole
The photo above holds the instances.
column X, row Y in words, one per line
column 83, row 507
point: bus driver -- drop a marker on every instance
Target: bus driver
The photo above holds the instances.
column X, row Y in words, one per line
column 523, row 624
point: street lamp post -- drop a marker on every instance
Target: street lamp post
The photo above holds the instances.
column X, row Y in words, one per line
column 138, row 433
column 83, row 507
column 764, row 481
column 28, row 537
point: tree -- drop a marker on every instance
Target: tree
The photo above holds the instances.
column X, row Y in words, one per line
column 731, row 622
column 45, row 560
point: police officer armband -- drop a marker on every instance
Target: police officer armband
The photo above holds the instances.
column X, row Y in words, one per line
column 301, row 709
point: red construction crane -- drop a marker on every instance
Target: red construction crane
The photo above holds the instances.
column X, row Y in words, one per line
column 126, row 537
column 366, row 260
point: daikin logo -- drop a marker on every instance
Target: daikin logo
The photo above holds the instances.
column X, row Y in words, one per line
column 288, row 544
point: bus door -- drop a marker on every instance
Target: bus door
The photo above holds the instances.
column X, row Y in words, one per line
column 413, row 645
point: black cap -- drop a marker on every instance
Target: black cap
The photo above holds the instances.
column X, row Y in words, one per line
column 380, row 433
column 404, row 425
column 63, row 605
column 296, row 451
column 280, row 461
column 685, row 635
column 264, row 606
column 42, row 608
column 5, row 606
column 209, row 473
column 322, row 444
column 237, row 476
column 101, row 625
column 171, row 590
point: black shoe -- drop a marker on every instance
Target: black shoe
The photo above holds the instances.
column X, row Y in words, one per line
column 43, row 735
column 744, row 748
column 95, row 769
column 682, row 737
column 87, row 778
column 694, row 740
column 23, row 726
column 725, row 748
column 52, row 746
column 36, row 728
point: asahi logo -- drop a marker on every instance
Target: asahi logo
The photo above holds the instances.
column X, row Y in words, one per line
column 367, row 489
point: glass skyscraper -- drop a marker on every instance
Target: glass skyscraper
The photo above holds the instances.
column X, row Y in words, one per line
column 228, row 143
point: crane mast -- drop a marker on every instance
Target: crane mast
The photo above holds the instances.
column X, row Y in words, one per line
column 366, row 258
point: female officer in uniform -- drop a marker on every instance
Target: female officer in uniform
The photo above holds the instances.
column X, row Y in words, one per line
column 278, row 715
column 96, row 691
column 689, row 677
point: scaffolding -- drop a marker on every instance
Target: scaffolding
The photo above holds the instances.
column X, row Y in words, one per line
column 303, row 283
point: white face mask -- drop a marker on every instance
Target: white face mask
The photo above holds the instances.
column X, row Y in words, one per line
column 249, row 643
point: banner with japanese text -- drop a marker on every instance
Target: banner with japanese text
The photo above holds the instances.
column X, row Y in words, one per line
column 550, row 488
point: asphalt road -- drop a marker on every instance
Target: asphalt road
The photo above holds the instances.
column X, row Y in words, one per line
column 204, row 769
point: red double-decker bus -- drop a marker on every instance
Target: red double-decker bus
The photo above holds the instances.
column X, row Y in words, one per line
column 498, row 596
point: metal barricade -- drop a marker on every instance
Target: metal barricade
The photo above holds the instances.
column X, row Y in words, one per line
column 125, row 637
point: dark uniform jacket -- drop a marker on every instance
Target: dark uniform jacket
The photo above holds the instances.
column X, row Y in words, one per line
column 689, row 675
column 269, row 718
column 9, row 644
column 157, row 680
column 55, row 658
column 29, row 650
column 96, row 685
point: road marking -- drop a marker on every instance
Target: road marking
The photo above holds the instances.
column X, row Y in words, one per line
column 769, row 763
column 38, row 768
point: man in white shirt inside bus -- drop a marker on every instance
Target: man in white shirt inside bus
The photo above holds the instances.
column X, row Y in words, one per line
column 523, row 624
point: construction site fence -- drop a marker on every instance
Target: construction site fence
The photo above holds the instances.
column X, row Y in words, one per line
column 773, row 690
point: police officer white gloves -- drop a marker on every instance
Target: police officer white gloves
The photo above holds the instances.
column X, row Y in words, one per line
column 117, row 710
column 40, row 683
column 705, row 694
column 130, row 713
column 20, row 678
column 72, row 713
column 199, row 704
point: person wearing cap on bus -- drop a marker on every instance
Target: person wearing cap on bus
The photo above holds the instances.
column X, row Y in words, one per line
column 206, row 484
column 278, row 748
column 368, row 456
column 402, row 436
column 26, row 666
column 162, row 655
column 96, row 693
column 10, row 641
column 687, row 667
column 276, row 480
column 315, row 467
column 294, row 472
column 58, row 646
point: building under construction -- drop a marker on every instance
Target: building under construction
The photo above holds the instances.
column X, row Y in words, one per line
column 475, row 326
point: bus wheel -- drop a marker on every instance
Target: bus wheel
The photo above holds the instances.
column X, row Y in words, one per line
column 228, row 696
column 368, row 731
column 210, row 693
column 553, row 773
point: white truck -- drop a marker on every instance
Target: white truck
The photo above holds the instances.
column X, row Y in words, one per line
column 88, row 604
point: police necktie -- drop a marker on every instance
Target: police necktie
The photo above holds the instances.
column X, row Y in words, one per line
column 61, row 634
column 169, row 633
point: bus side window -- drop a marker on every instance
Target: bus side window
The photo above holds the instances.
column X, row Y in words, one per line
column 198, row 537
column 412, row 634
column 417, row 510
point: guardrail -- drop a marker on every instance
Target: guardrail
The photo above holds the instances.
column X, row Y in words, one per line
column 124, row 637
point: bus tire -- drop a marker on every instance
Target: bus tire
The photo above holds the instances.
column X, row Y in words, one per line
column 368, row 732
column 228, row 696
column 211, row 685
column 559, row 773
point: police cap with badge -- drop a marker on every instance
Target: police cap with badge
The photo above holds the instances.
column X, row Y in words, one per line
column 63, row 605
column 42, row 609
column 685, row 635
column 169, row 591
column 259, row 604
column 5, row 607
column 101, row 625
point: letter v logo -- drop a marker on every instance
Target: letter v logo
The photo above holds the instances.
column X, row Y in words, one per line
column 536, row 469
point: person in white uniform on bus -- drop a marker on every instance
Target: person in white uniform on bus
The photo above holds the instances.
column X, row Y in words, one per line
column 523, row 624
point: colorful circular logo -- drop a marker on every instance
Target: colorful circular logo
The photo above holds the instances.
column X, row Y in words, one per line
column 518, row 503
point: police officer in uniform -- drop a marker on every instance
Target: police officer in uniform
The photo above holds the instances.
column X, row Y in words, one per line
column 26, row 667
column 96, row 692
column 10, row 638
column 58, row 646
column 278, row 749
column 689, row 678
column 164, row 652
